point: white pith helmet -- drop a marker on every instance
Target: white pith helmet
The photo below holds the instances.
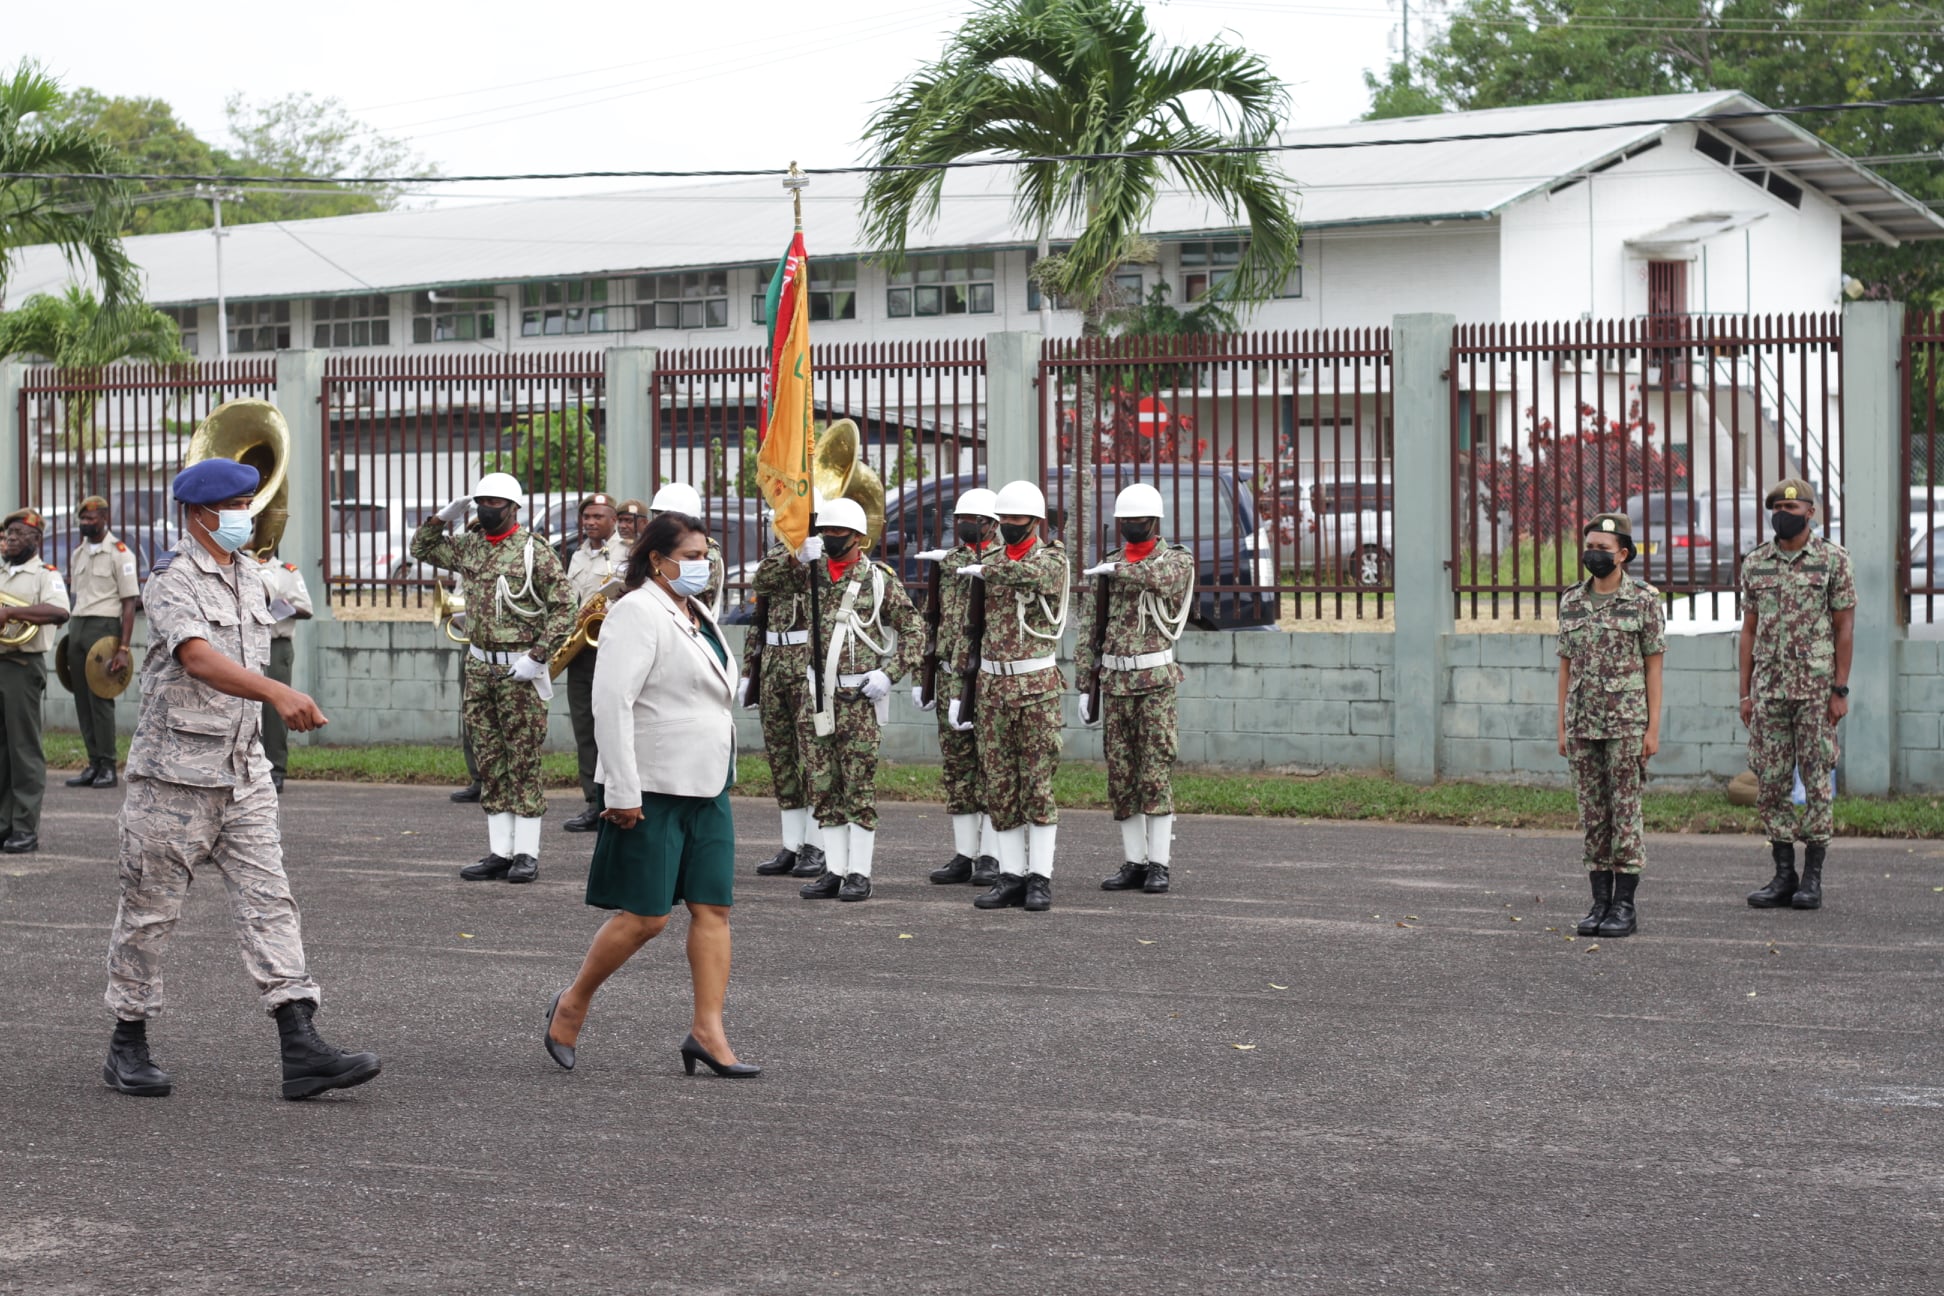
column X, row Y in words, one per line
column 500, row 486
column 977, row 502
column 676, row 497
column 845, row 513
column 1138, row 501
column 1020, row 499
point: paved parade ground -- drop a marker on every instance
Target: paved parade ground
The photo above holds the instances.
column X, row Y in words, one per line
column 1340, row 1058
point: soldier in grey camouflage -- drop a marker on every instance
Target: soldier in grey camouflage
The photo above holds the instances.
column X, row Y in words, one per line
column 1611, row 641
column 199, row 792
column 1151, row 587
column 869, row 637
column 1027, row 586
column 1798, row 598
column 519, row 610
column 778, row 663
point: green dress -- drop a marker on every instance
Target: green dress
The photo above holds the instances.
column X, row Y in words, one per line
column 683, row 849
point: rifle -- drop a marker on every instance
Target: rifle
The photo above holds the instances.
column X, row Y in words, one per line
column 975, row 628
column 816, row 637
column 934, row 615
column 1101, row 597
column 753, row 653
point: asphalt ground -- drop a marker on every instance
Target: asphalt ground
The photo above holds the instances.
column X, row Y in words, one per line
column 1339, row 1058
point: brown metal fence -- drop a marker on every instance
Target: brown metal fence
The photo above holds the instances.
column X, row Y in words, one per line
column 1272, row 453
column 406, row 434
column 1923, row 462
column 1681, row 422
column 119, row 432
column 920, row 412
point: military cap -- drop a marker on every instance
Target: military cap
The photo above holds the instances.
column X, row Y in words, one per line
column 28, row 516
column 214, row 480
column 92, row 502
column 635, row 507
column 1616, row 525
column 594, row 500
column 1789, row 488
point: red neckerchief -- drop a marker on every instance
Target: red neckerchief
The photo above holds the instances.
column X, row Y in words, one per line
column 980, row 546
column 1020, row 550
column 1137, row 551
column 495, row 539
column 840, row 566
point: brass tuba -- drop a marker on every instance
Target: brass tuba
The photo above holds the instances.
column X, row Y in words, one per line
column 16, row 633
column 449, row 611
column 251, row 432
column 841, row 473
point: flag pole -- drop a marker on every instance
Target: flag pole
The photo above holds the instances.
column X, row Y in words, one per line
column 796, row 182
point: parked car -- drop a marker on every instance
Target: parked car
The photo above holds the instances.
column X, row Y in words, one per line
column 372, row 539
column 1347, row 528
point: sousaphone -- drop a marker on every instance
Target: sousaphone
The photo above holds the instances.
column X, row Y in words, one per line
column 841, row 473
column 251, row 432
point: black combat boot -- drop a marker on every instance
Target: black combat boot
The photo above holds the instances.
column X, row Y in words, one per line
column 524, row 868
column 1808, row 892
column 1132, row 877
column 1007, row 893
column 1621, row 919
column 466, row 795
column 825, row 887
column 490, row 869
column 810, row 862
column 957, row 873
column 778, row 864
column 86, row 777
column 856, row 887
column 105, row 777
column 310, row 1066
column 1157, row 880
column 588, row 820
column 129, row 1068
column 1782, row 887
column 1602, row 901
column 986, row 872
column 1039, row 894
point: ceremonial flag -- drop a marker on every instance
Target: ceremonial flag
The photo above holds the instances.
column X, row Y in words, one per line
column 789, row 433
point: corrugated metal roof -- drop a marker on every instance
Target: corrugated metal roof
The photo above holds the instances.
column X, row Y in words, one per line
column 746, row 221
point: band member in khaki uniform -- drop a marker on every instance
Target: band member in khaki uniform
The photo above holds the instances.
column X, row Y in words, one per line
column 199, row 792
column 631, row 518
column 600, row 565
column 101, row 579
column 23, row 676
column 680, row 497
column 290, row 602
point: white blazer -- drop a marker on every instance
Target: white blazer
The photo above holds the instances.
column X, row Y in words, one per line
column 663, row 717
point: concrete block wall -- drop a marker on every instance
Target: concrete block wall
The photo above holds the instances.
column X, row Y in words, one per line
column 1920, row 715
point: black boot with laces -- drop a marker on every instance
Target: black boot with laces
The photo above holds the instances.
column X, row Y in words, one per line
column 310, row 1066
column 129, row 1067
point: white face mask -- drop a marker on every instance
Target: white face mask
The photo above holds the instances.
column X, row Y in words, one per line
column 693, row 578
column 233, row 529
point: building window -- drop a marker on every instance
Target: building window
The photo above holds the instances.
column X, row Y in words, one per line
column 462, row 314
column 351, row 321
column 259, row 326
column 694, row 299
column 956, row 283
column 833, row 293
column 1129, row 290
column 185, row 322
column 566, row 307
column 1206, row 265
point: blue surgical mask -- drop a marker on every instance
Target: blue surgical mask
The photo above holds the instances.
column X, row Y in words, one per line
column 694, row 578
column 234, row 528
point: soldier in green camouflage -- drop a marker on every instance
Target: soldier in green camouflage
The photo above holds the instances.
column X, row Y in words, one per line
column 778, row 658
column 869, row 637
column 519, row 610
column 1151, row 590
column 1798, row 600
column 973, row 841
column 1611, row 641
column 1027, row 584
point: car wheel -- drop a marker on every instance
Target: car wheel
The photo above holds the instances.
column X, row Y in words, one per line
column 1373, row 567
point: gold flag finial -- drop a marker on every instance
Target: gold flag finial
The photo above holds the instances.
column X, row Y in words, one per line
column 796, row 182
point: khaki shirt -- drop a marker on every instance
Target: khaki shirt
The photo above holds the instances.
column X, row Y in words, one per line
column 592, row 568
column 101, row 576
column 188, row 732
column 282, row 580
column 34, row 582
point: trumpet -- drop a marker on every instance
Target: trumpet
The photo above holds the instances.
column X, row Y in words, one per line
column 449, row 610
column 587, row 634
column 16, row 633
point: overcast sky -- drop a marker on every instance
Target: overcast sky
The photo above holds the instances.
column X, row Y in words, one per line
column 490, row 87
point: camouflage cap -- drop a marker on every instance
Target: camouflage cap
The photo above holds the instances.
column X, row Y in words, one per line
column 27, row 517
column 1616, row 525
column 1789, row 488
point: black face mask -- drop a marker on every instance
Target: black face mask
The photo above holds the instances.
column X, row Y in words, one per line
column 1137, row 530
column 1015, row 531
column 495, row 520
column 93, row 533
column 1600, row 562
column 1787, row 526
column 971, row 532
column 836, row 546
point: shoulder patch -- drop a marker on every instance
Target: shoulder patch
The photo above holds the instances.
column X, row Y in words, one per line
column 120, row 547
column 51, row 567
column 290, row 566
column 161, row 564
column 886, row 568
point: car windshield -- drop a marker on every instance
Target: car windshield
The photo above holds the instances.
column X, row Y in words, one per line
column 1340, row 497
column 1195, row 505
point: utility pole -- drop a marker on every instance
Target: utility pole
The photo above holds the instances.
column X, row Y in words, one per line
column 216, row 198
column 1407, row 39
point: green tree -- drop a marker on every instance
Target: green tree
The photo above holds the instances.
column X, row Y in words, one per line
column 71, row 331
column 1785, row 53
column 79, row 215
column 554, row 452
column 1041, row 79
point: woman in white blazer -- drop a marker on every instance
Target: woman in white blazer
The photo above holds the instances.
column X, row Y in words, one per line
column 663, row 690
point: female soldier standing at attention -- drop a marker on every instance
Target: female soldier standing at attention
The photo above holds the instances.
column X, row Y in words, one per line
column 1610, row 645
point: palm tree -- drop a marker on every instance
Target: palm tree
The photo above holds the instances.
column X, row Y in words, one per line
column 1100, row 114
column 77, row 212
column 74, row 331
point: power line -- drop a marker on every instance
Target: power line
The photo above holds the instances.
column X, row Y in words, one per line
column 1227, row 150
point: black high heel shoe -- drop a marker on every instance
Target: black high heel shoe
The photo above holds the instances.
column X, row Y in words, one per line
column 693, row 1053
column 561, row 1053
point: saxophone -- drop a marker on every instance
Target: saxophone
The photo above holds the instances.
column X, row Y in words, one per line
column 587, row 629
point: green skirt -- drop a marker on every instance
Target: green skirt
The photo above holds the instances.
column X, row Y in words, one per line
column 683, row 849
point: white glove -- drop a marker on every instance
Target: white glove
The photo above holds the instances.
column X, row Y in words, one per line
column 876, row 686
column 972, row 569
column 455, row 512
column 918, row 699
column 811, row 549
column 1087, row 716
column 1103, row 569
column 935, row 555
column 526, row 668
column 742, row 692
column 953, row 717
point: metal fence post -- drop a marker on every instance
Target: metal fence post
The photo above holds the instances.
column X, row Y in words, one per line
column 1873, row 522
column 631, row 466
column 1013, row 448
column 1421, row 527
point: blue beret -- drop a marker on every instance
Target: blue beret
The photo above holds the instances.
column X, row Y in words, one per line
column 214, row 480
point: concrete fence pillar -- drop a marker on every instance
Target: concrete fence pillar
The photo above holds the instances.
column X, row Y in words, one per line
column 1421, row 535
column 300, row 399
column 13, row 376
column 1013, row 445
column 631, row 466
column 1874, row 517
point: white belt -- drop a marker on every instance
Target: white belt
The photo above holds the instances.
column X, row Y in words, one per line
column 493, row 658
column 1140, row 661
column 1024, row 666
column 786, row 638
column 882, row 706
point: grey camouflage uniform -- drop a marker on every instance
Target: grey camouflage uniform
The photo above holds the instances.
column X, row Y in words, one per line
column 199, row 791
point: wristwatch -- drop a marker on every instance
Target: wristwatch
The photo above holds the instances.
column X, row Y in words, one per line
column 1840, row 690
